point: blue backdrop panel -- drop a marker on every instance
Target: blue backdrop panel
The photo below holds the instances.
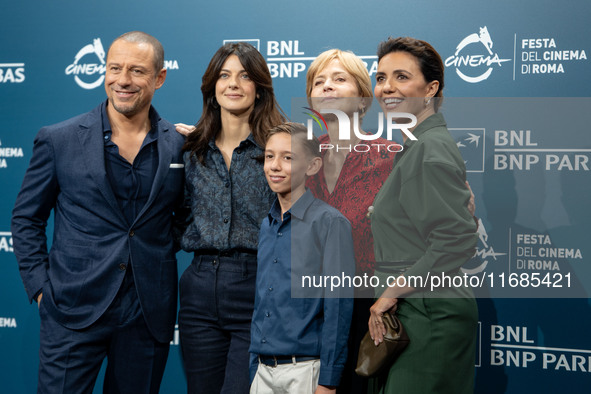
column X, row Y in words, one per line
column 51, row 66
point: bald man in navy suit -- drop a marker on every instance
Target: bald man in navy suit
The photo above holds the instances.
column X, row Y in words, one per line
column 108, row 285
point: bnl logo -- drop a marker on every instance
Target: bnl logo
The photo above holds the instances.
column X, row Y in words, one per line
column 470, row 142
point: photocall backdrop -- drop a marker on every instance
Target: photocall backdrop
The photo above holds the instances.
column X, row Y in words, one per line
column 504, row 59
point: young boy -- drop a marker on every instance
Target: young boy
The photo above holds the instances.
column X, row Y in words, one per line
column 299, row 345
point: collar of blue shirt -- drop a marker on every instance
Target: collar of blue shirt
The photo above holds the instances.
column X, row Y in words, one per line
column 298, row 209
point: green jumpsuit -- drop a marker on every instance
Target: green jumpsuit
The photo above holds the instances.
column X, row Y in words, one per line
column 422, row 227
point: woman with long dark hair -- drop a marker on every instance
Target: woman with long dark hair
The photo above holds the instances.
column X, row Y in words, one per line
column 229, row 197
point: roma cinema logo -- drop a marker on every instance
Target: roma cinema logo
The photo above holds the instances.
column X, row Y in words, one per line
column 474, row 62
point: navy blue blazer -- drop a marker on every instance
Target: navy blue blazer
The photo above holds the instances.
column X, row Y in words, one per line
column 81, row 274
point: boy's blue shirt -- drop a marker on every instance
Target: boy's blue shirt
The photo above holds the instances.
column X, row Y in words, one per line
column 313, row 240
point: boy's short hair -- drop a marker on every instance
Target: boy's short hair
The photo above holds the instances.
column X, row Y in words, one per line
column 301, row 132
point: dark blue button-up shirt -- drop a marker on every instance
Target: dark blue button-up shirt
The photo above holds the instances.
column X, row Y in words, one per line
column 131, row 182
column 289, row 319
column 227, row 206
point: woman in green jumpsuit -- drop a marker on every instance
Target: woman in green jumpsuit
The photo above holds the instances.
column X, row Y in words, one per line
column 422, row 228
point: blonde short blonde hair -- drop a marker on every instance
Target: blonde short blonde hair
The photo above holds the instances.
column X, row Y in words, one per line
column 350, row 62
